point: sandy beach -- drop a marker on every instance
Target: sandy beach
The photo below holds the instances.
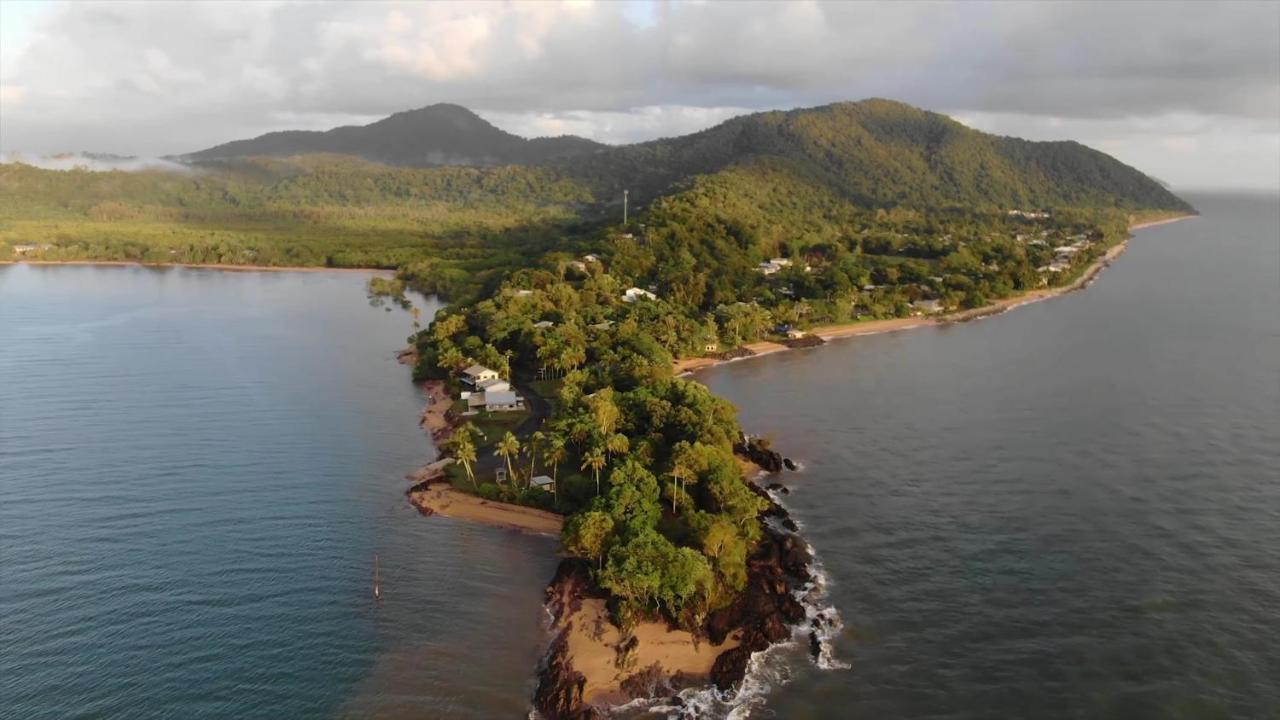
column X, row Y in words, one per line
column 595, row 642
column 875, row 327
column 443, row 499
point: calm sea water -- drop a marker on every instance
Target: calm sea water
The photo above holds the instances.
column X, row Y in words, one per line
column 1067, row 511
column 196, row 469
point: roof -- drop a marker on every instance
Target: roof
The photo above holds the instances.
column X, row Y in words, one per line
column 541, row 481
column 476, row 370
column 500, row 397
column 493, row 383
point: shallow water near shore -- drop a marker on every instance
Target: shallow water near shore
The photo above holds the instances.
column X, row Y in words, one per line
column 1069, row 510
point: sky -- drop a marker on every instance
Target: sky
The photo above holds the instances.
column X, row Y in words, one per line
column 1187, row 92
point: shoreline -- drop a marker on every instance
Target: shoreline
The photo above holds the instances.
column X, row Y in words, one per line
column 202, row 266
column 687, row 366
column 435, row 416
column 592, row 667
column 440, row 498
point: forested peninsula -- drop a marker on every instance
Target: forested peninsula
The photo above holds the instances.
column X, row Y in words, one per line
column 566, row 322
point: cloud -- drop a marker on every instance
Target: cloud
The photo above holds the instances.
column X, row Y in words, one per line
column 150, row 78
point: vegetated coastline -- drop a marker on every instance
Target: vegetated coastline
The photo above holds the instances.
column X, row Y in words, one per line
column 685, row 366
column 592, row 665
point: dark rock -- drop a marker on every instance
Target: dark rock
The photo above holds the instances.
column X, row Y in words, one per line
column 804, row 341
column 774, row 629
column 789, row 464
column 757, row 452
column 791, row 609
column 560, row 687
column 559, row 694
column 730, row 668
column 815, row 645
column 779, row 487
column 649, row 682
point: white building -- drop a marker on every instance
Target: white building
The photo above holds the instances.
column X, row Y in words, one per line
column 928, row 306
column 477, row 374
column 493, row 385
column 635, row 293
column 543, row 482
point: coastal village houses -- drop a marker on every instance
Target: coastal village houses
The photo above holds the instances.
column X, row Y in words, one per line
column 490, row 393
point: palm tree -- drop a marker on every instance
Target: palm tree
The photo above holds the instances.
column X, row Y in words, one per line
column 464, row 450
column 679, row 471
column 676, row 473
column 532, row 448
column 554, row 455
column 617, row 444
column 508, row 447
column 595, row 460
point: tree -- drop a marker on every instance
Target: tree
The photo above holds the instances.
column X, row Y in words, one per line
column 508, row 447
column 617, row 444
column 554, row 455
column 464, row 450
column 586, row 535
column 531, row 447
column 595, row 460
column 604, row 411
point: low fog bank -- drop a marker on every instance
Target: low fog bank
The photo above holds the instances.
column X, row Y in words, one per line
column 93, row 162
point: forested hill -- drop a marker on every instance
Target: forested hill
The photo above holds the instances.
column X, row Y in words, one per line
column 881, row 153
column 433, row 136
column 872, row 153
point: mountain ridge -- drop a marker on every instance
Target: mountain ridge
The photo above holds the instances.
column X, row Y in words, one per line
column 873, row 153
column 438, row 135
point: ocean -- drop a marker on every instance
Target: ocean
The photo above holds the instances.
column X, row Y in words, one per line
column 1071, row 510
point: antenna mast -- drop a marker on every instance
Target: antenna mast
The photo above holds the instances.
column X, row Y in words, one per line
column 624, row 208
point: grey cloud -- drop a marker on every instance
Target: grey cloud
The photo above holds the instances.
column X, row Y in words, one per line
column 151, row 78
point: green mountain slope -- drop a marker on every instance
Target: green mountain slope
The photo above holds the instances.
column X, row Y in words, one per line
column 433, row 136
column 879, row 153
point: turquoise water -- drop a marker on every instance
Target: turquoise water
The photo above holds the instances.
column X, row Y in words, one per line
column 196, row 469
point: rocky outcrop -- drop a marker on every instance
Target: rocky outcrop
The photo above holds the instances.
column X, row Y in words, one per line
column 804, row 341
column 758, row 451
column 765, row 613
column 767, row 608
column 560, row 687
column 734, row 354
